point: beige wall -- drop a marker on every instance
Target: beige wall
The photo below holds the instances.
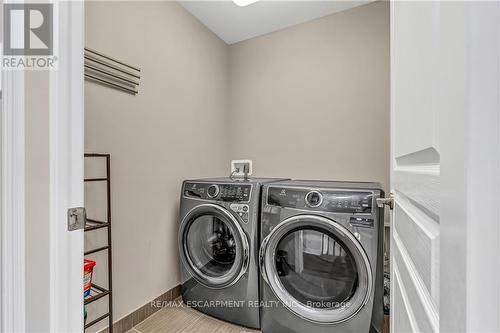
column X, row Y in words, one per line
column 312, row 101
column 174, row 129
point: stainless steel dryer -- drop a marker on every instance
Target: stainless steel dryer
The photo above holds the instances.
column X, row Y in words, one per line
column 218, row 245
column 321, row 257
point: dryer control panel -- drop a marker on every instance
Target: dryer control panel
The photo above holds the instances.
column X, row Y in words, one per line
column 221, row 192
column 328, row 200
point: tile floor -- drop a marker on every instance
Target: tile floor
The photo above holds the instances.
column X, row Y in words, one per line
column 185, row 320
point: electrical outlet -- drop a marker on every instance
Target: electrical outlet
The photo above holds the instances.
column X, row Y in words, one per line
column 238, row 168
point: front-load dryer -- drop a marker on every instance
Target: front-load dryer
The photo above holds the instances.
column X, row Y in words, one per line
column 218, row 244
column 321, row 257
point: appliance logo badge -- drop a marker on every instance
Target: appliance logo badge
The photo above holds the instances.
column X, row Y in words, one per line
column 283, row 192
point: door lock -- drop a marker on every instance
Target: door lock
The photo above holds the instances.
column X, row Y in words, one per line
column 389, row 201
column 76, row 218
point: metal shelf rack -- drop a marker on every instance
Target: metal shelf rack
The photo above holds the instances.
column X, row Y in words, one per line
column 98, row 292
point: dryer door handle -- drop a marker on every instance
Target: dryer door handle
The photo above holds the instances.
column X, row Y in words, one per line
column 262, row 255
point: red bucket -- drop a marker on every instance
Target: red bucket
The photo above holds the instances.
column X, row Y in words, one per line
column 88, row 269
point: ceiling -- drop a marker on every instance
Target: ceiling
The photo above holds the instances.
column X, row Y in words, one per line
column 234, row 24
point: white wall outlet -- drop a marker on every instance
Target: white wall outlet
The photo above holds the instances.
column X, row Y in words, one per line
column 238, row 168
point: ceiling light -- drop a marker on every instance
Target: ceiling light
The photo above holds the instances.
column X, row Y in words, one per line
column 243, row 3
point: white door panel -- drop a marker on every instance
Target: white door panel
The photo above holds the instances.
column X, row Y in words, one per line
column 420, row 184
column 415, row 35
column 401, row 313
column 421, row 302
column 445, row 174
column 415, row 164
column 420, row 236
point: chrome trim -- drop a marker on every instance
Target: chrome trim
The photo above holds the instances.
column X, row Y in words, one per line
column 242, row 264
column 320, row 201
column 217, row 191
column 318, row 316
column 262, row 252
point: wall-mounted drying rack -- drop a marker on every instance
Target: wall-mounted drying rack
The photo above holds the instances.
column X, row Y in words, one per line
column 111, row 72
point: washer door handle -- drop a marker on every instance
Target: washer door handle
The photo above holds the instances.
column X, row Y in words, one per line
column 246, row 260
column 262, row 255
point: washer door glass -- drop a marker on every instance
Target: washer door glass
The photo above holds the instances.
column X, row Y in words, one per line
column 316, row 268
column 214, row 247
column 211, row 245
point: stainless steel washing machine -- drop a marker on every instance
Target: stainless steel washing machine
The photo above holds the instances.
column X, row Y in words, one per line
column 321, row 257
column 218, row 245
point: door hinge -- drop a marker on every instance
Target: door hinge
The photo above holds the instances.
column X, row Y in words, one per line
column 389, row 201
column 76, row 218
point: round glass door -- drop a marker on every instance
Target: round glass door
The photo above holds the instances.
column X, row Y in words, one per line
column 213, row 245
column 317, row 268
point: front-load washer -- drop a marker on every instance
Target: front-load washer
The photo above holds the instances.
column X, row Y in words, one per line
column 218, row 244
column 321, row 257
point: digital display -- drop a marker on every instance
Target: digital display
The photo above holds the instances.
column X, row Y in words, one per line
column 349, row 202
column 285, row 197
column 235, row 192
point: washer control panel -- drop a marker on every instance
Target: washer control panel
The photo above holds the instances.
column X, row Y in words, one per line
column 241, row 210
column 328, row 200
column 222, row 192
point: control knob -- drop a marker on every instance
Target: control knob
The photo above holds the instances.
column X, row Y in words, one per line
column 314, row 199
column 213, row 191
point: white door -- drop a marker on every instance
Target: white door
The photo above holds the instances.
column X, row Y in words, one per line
column 66, row 168
column 444, row 166
column 42, row 165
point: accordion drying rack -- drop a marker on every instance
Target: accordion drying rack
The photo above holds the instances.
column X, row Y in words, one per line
column 111, row 72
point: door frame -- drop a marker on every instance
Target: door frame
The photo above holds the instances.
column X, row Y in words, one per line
column 12, row 305
column 66, row 146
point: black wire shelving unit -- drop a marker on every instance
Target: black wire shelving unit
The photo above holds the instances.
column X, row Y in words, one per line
column 97, row 292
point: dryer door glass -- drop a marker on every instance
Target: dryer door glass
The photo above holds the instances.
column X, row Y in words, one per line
column 316, row 268
column 214, row 246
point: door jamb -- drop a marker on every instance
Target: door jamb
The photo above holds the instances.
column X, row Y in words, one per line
column 13, row 269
